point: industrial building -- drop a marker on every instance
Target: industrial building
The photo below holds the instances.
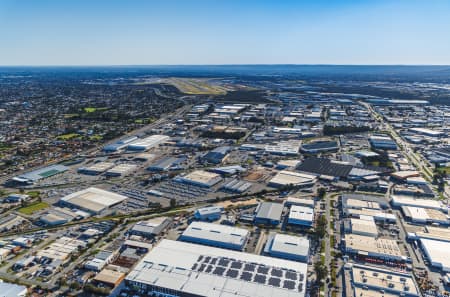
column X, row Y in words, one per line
column 420, row 215
column 109, row 277
column 288, row 247
column 365, row 226
column 427, row 132
column 236, row 186
column 185, row 269
column 147, row 143
column 284, row 148
column 200, row 178
column 401, row 200
column 284, row 178
column 320, row 147
column 380, row 248
column 268, row 213
column 382, row 142
column 121, row 144
column 96, row 168
column 150, row 228
column 209, row 213
column 309, row 202
column 41, row 173
column 93, row 200
column 12, row 290
column 437, row 253
column 301, row 216
column 217, row 155
column 121, row 170
column 369, row 281
column 166, row 164
column 216, row 235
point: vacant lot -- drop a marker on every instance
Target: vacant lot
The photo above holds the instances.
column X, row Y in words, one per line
column 30, row 209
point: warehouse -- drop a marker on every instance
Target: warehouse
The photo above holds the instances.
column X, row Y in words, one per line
column 200, row 178
column 309, row 202
column 380, row 248
column 421, row 215
column 301, row 216
column 216, row 235
column 185, row 269
column 151, row 228
column 268, row 213
column 109, row 278
column 217, row 155
column 437, row 253
column 93, row 200
column 97, row 168
column 427, row 132
column 283, row 148
column 284, row 178
column 209, row 213
column 123, row 143
column 288, row 247
column 121, row 170
column 382, row 142
column 166, row 164
column 369, row 281
column 399, row 201
column 236, row 186
column 365, row 226
column 38, row 174
column 147, row 143
column 12, row 290
column 320, row 147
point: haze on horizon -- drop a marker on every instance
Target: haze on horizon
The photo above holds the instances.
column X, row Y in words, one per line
column 173, row 32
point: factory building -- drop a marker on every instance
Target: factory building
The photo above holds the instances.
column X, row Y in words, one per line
column 400, row 200
column 216, row 235
column 320, row 147
column 365, row 226
column 380, row 248
column 301, row 216
column 217, row 155
column 96, row 168
column 437, row 253
column 12, row 290
column 285, row 178
column 150, row 228
column 366, row 281
column 268, row 213
column 92, row 200
column 121, row 144
column 39, row 174
column 121, row 170
column 210, row 213
column 420, row 215
column 175, row 268
column 308, row 202
column 200, row 178
column 382, row 142
column 147, row 143
column 288, row 247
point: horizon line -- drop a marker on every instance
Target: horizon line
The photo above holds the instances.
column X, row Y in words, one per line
column 231, row 64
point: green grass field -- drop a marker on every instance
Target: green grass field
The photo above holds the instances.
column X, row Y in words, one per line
column 94, row 109
column 30, row 209
column 67, row 136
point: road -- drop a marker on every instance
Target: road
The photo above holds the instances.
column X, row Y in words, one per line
column 416, row 159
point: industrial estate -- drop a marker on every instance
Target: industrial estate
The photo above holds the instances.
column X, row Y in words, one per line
column 134, row 183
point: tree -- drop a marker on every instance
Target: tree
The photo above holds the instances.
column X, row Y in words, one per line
column 321, row 271
column 173, row 202
column 321, row 192
column 321, row 229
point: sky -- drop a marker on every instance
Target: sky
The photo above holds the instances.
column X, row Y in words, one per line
column 188, row 32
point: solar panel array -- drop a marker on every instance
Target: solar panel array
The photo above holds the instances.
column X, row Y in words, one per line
column 250, row 272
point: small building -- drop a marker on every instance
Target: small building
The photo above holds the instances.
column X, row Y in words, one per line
column 210, row 213
column 16, row 198
column 216, row 235
column 150, row 228
column 110, row 278
column 301, row 216
column 287, row 247
column 268, row 213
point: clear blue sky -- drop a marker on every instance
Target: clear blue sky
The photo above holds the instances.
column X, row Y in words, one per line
column 130, row 32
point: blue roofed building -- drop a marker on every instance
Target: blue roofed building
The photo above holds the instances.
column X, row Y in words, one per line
column 210, row 213
column 217, row 155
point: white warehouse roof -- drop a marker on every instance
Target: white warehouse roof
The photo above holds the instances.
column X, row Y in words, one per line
column 93, row 199
column 216, row 233
column 182, row 267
